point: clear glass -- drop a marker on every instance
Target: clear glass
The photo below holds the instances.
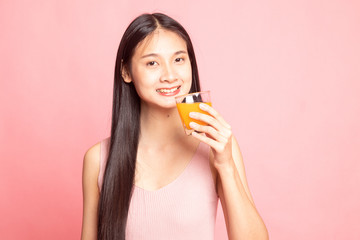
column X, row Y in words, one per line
column 190, row 103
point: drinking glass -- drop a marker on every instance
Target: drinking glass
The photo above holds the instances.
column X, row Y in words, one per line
column 190, row 103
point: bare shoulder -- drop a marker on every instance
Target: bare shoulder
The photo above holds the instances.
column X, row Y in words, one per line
column 91, row 167
column 91, row 163
column 92, row 155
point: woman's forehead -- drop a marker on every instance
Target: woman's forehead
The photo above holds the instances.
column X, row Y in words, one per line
column 161, row 41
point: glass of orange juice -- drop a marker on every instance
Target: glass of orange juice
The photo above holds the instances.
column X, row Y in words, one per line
column 190, row 103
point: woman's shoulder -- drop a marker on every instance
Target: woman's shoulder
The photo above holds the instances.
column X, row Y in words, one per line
column 92, row 155
column 92, row 160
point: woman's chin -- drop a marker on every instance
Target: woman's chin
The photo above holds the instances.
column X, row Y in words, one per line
column 169, row 105
column 166, row 105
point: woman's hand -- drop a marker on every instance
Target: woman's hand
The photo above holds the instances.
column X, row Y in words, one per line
column 218, row 134
column 242, row 218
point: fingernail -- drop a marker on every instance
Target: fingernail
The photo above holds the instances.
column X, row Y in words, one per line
column 192, row 114
column 202, row 106
column 192, row 124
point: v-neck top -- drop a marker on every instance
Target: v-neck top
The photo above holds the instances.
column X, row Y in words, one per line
column 183, row 209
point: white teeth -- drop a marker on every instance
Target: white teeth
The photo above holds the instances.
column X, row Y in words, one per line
column 167, row 90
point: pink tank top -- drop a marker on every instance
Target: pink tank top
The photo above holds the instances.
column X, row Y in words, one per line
column 184, row 209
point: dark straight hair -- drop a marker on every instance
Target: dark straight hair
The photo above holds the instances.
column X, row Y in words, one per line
column 116, row 191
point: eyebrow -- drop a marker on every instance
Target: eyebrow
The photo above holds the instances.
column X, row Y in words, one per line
column 156, row 55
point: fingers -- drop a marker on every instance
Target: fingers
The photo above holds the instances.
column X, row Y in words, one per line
column 218, row 147
column 206, row 119
column 215, row 122
column 217, row 129
column 214, row 113
column 212, row 132
column 217, row 133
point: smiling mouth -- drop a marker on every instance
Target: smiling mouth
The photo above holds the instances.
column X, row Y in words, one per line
column 167, row 90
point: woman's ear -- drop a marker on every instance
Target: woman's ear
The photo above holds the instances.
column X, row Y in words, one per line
column 126, row 74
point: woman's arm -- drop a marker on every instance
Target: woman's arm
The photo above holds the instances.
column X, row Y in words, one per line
column 90, row 193
column 241, row 216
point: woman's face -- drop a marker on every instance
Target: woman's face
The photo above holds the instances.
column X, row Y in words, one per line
column 161, row 69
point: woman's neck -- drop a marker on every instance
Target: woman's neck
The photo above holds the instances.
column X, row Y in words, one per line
column 159, row 126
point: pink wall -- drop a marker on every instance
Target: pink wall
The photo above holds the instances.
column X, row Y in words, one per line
column 285, row 74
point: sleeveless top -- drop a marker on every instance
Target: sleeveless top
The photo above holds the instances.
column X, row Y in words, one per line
column 184, row 209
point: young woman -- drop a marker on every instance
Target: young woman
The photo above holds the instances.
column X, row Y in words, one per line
column 149, row 180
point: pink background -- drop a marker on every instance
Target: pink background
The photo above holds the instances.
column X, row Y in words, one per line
column 285, row 74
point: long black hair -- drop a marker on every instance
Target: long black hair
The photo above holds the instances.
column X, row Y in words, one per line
column 119, row 174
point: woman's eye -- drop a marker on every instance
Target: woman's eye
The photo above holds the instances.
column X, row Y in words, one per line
column 152, row 63
column 179, row 59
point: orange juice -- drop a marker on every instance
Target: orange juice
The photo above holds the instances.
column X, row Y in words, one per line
column 184, row 110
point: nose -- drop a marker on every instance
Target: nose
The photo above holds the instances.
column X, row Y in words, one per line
column 168, row 74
